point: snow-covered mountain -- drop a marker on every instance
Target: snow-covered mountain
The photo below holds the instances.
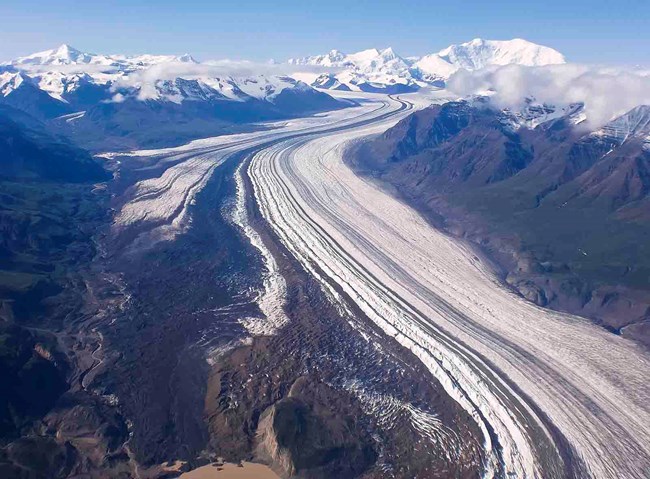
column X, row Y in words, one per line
column 481, row 53
column 148, row 98
column 19, row 90
column 372, row 70
column 67, row 55
column 63, row 71
column 368, row 70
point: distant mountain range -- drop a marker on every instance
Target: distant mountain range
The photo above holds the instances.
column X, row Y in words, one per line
column 386, row 71
column 64, row 80
column 121, row 102
column 61, row 72
column 67, row 55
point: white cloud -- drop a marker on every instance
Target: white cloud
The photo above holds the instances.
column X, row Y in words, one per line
column 117, row 98
column 605, row 92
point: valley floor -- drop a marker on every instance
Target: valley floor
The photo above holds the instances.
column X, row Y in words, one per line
column 224, row 340
column 541, row 401
column 259, row 301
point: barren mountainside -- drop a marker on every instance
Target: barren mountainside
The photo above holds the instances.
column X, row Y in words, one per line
column 564, row 210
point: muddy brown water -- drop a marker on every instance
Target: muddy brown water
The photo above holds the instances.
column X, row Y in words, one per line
column 247, row 470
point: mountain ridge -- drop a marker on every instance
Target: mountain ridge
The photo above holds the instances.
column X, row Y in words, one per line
column 562, row 210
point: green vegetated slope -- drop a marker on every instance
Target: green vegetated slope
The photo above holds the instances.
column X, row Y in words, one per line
column 49, row 208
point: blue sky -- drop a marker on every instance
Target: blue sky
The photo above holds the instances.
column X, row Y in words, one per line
column 616, row 32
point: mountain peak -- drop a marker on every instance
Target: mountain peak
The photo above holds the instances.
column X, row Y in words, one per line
column 480, row 53
column 368, row 54
column 634, row 123
column 66, row 49
column 68, row 53
column 330, row 59
column 388, row 54
column 335, row 56
column 62, row 55
column 186, row 58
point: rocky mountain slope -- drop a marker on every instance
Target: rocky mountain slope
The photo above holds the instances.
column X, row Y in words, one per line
column 29, row 151
column 563, row 210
